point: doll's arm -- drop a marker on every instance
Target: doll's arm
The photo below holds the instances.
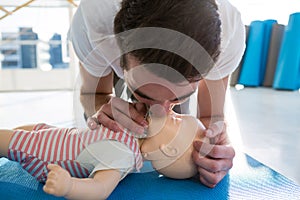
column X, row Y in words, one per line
column 60, row 183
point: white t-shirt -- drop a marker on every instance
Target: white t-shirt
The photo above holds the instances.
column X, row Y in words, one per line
column 91, row 33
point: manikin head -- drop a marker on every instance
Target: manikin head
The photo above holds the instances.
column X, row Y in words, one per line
column 169, row 144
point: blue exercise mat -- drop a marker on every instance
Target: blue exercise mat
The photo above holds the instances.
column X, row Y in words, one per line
column 287, row 74
column 248, row 179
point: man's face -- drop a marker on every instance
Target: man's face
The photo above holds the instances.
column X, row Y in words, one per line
column 157, row 92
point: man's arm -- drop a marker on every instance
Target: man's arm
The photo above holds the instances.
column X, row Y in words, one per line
column 214, row 164
column 95, row 91
column 211, row 98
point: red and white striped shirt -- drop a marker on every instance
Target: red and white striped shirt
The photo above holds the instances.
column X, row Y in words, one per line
column 47, row 144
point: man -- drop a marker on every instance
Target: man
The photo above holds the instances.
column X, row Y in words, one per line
column 165, row 51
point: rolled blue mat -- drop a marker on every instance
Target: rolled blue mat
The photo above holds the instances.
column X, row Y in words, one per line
column 255, row 58
column 287, row 72
column 249, row 74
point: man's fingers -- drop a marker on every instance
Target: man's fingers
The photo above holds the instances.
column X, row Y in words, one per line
column 215, row 129
column 203, row 148
column 211, row 179
column 214, row 151
column 115, row 124
column 109, row 123
column 206, row 183
column 140, row 107
column 212, row 165
column 92, row 122
column 136, row 116
column 118, row 115
column 128, row 123
column 135, row 112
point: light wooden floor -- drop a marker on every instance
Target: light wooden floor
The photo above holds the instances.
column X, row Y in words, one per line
column 55, row 107
column 263, row 123
column 269, row 124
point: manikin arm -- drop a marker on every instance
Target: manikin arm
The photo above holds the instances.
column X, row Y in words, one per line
column 60, row 183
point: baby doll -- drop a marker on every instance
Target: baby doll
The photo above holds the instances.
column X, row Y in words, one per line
column 88, row 164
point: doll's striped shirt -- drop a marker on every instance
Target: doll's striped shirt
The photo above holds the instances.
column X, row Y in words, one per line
column 34, row 150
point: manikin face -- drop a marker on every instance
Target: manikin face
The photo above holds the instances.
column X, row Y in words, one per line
column 169, row 144
column 152, row 90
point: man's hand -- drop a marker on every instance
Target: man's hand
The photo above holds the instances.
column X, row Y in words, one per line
column 214, row 160
column 118, row 114
column 59, row 181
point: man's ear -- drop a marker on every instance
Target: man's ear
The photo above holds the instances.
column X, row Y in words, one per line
column 169, row 151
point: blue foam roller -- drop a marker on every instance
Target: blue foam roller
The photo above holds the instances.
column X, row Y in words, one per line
column 287, row 72
column 249, row 75
column 255, row 58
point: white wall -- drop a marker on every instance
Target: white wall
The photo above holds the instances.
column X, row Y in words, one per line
column 266, row 9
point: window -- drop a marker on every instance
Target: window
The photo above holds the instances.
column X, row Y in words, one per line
column 34, row 51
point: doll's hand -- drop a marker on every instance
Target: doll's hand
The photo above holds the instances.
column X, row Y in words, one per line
column 59, row 181
column 215, row 159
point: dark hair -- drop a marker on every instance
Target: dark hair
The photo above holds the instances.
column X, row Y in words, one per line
column 198, row 19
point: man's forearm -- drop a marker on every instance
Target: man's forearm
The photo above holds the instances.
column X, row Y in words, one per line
column 91, row 103
column 94, row 91
column 207, row 120
column 211, row 100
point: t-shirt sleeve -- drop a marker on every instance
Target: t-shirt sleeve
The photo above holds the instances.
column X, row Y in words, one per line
column 91, row 25
column 115, row 156
column 232, row 42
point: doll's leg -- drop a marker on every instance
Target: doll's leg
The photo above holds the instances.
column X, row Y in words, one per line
column 5, row 137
